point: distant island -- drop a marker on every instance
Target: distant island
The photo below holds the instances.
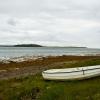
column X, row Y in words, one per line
column 37, row 45
column 22, row 45
column 28, row 45
column 67, row 47
column 75, row 47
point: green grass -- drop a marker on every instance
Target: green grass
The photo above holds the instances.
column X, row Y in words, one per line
column 35, row 88
column 83, row 63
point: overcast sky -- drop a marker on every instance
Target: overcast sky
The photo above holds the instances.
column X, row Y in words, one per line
column 50, row 22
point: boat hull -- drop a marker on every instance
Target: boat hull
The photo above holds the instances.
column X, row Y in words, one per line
column 78, row 73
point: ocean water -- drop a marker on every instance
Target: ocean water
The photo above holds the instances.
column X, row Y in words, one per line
column 11, row 52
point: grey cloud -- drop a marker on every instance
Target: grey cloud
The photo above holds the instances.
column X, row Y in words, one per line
column 52, row 22
column 12, row 22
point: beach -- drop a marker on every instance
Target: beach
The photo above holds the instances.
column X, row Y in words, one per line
column 21, row 79
column 23, row 66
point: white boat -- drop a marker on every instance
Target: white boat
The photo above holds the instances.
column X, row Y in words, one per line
column 72, row 73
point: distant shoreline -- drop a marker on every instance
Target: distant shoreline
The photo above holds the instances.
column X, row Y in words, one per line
column 37, row 45
column 27, row 58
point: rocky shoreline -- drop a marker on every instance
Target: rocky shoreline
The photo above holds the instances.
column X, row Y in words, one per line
column 28, row 58
column 23, row 66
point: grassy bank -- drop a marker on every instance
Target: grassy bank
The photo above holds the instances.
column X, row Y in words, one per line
column 35, row 88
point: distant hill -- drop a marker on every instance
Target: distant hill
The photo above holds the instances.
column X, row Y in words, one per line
column 28, row 45
column 36, row 45
column 22, row 45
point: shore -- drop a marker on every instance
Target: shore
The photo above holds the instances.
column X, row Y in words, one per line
column 24, row 66
column 23, row 80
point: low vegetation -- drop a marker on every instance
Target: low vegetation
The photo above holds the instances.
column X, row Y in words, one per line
column 36, row 88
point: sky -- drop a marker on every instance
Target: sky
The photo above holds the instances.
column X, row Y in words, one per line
column 50, row 22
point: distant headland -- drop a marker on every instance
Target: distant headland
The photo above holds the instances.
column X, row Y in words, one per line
column 37, row 45
column 28, row 45
column 22, row 45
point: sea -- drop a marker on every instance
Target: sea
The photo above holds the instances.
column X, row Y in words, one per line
column 11, row 52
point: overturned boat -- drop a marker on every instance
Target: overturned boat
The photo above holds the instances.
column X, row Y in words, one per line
column 72, row 73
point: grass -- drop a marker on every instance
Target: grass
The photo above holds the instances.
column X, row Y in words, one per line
column 35, row 88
